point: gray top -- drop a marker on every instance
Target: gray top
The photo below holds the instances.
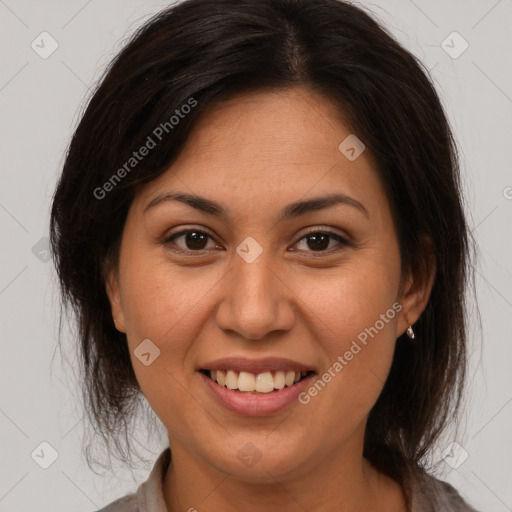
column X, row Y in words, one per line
column 429, row 494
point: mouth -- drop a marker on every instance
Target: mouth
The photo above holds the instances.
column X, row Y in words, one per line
column 255, row 387
column 266, row 382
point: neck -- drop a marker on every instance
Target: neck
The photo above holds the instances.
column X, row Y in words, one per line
column 343, row 481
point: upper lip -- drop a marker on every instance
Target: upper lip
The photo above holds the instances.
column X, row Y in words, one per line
column 261, row 365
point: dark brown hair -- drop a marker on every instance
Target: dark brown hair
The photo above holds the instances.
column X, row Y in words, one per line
column 204, row 51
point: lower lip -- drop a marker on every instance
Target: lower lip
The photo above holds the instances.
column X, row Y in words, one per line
column 253, row 404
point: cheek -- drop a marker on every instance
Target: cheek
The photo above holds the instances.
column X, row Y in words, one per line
column 356, row 312
column 352, row 297
column 162, row 302
column 161, row 305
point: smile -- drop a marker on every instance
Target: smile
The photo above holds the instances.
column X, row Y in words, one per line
column 247, row 382
column 251, row 387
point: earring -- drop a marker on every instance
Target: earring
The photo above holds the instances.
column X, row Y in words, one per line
column 410, row 332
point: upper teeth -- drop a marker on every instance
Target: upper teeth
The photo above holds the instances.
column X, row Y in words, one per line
column 264, row 382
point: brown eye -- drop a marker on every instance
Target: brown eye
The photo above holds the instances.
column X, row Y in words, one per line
column 193, row 240
column 320, row 241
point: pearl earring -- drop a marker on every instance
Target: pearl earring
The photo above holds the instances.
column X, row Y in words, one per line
column 410, row 332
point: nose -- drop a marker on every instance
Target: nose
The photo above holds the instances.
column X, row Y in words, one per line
column 257, row 300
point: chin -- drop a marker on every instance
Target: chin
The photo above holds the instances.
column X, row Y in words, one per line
column 260, row 459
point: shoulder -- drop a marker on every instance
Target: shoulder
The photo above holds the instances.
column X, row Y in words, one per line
column 431, row 494
column 127, row 503
column 149, row 495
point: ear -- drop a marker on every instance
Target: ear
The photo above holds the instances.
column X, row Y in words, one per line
column 417, row 287
column 114, row 296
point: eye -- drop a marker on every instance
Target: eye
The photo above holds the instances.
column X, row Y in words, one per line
column 194, row 240
column 320, row 241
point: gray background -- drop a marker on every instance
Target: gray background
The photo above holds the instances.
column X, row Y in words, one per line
column 39, row 106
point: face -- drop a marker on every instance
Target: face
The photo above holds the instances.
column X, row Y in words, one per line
column 257, row 285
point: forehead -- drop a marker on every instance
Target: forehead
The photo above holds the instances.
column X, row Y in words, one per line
column 291, row 125
column 269, row 146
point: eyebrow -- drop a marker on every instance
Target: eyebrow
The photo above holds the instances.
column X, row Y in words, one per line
column 290, row 211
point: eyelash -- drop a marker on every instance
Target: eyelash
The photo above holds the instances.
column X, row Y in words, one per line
column 343, row 241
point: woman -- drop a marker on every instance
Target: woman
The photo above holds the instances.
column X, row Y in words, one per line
column 260, row 229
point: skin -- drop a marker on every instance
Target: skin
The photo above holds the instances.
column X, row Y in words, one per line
column 255, row 154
